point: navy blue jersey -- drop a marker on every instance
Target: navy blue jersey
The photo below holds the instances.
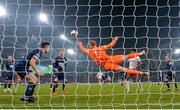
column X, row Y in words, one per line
column 9, row 66
column 25, row 60
column 60, row 63
column 169, row 65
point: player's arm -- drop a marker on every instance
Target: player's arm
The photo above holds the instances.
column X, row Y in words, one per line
column 110, row 45
column 54, row 66
column 84, row 50
column 66, row 60
column 33, row 65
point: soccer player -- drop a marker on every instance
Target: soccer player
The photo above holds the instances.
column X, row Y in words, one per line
column 9, row 69
column 58, row 73
column 111, row 63
column 170, row 72
column 23, row 69
column 101, row 77
column 133, row 64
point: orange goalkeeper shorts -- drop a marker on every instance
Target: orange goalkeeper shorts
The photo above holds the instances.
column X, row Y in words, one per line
column 112, row 63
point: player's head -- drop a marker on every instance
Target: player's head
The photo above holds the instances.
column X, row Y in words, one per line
column 168, row 56
column 61, row 53
column 45, row 46
column 92, row 44
column 10, row 58
column 133, row 50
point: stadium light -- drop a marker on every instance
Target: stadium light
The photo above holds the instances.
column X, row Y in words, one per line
column 62, row 36
column 177, row 51
column 70, row 51
column 2, row 11
column 43, row 17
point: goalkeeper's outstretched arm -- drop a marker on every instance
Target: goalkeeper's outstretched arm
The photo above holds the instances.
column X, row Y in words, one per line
column 84, row 50
column 110, row 45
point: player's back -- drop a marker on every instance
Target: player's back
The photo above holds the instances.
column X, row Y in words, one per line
column 25, row 60
column 9, row 65
column 60, row 62
column 98, row 54
column 169, row 65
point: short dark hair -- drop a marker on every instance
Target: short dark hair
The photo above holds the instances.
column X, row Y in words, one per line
column 134, row 50
column 44, row 44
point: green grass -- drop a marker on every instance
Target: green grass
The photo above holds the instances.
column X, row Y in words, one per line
column 96, row 97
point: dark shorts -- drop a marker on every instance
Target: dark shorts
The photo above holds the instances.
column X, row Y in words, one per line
column 57, row 77
column 22, row 71
column 169, row 75
column 9, row 76
column 104, row 77
column 123, row 76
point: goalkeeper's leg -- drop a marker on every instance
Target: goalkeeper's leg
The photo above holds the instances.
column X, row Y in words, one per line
column 117, row 59
column 115, row 67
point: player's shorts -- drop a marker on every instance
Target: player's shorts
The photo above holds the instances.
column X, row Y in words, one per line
column 123, row 76
column 56, row 77
column 22, row 71
column 169, row 75
column 112, row 63
column 104, row 77
column 9, row 76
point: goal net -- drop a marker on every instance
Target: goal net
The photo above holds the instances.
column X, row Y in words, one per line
column 150, row 25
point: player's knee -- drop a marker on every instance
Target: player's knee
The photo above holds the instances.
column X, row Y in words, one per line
column 32, row 79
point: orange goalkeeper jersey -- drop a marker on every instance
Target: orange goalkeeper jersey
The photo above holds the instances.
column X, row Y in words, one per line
column 98, row 54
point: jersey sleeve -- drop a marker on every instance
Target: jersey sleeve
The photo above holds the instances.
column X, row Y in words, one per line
column 35, row 57
column 110, row 45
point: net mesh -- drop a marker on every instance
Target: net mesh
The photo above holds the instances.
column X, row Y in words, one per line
column 150, row 25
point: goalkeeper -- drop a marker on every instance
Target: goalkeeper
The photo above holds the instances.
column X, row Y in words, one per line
column 111, row 63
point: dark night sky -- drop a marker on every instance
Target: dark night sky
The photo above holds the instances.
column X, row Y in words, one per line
column 152, row 25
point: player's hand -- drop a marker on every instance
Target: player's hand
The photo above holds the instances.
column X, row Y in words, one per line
column 116, row 38
column 40, row 73
column 79, row 42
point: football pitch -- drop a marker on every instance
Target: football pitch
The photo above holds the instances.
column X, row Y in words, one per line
column 94, row 96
